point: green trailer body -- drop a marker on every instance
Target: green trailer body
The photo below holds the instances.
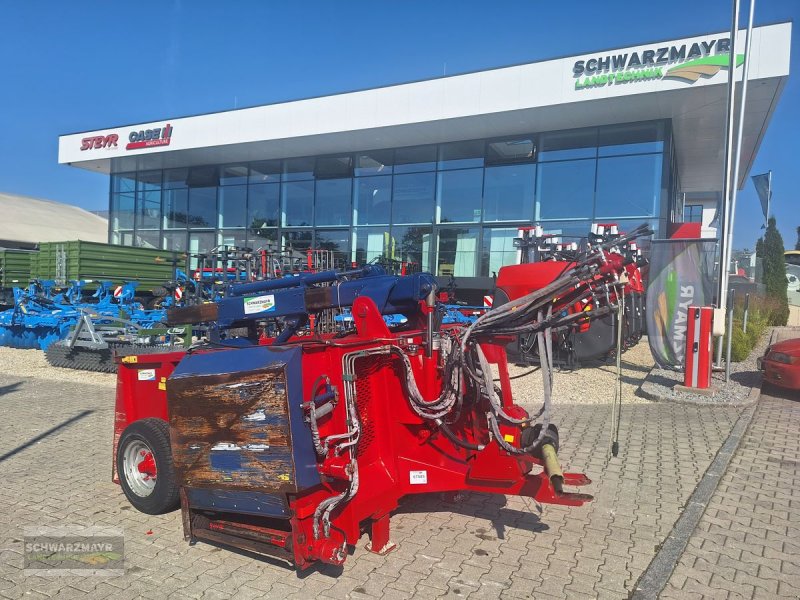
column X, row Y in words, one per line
column 15, row 271
column 15, row 267
column 93, row 262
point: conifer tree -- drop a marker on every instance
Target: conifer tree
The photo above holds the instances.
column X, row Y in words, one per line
column 775, row 272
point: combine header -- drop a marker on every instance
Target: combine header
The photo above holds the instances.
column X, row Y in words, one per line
column 295, row 446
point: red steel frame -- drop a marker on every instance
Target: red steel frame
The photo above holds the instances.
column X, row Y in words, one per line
column 396, row 443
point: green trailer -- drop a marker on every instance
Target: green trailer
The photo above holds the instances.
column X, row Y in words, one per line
column 15, row 271
column 93, row 262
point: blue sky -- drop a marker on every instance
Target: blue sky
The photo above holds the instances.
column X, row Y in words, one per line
column 76, row 66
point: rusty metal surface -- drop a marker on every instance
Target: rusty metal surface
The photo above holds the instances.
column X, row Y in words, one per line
column 199, row 313
column 231, row 431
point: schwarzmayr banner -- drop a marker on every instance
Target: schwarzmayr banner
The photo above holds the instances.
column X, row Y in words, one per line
column 687, row 62
column 681, row 275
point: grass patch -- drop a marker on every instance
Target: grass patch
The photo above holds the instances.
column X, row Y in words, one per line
column 758, row 321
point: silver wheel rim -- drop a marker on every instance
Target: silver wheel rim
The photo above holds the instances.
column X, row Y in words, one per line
column 140, row 482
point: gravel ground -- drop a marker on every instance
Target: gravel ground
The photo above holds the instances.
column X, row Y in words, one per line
column 589, row 385
column 744, row 377
column 31, row 363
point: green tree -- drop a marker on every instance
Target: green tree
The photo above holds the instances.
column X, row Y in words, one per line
column 775, row 273
column 760, row 247
column 797, row 245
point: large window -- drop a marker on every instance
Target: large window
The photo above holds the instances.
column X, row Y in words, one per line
column 373, row 201
column 460, row 194
column 375, row 162
column 175, row 206
column 233, row 175
column 263, row 206
column 451, row 208
column 508, row 193
column 267, row 171
column 413, row 198
column 233, row 206
column 498, row 250
column 200, row 243
column 461, row 155
column 175, row 241
column 568, row 145
column 369, row 243
column 412, row 245
column 122, row 210
column 333, row 204
column 458, row 252
column 233, row 237
column 148, row 209
column 337, row 241
column 565, row 190
column 628, row 186
column 298, row 203
column 203, row 207
column 175, row 178
column 415, row 158
column 638, row 138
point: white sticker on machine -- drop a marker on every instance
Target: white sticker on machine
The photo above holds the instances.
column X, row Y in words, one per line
column 418, row 477
column 257, row 304
column 147, row 375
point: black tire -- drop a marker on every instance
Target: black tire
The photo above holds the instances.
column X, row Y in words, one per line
column 154, row 433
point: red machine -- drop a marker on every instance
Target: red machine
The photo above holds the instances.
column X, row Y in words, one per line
column 542, row 259
column 296, row 448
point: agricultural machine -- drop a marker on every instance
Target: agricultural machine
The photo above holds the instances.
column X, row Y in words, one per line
column 78, row 334
column 544, row 258
column 294, row 446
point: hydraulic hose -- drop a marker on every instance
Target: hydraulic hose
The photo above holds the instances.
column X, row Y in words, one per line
column 457, row 441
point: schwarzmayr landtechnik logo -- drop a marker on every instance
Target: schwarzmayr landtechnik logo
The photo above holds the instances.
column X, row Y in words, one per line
column 701, row 59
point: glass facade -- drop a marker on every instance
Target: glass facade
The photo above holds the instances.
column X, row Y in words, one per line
column 452, row 208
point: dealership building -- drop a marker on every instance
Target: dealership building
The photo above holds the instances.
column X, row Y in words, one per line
column 441, row 173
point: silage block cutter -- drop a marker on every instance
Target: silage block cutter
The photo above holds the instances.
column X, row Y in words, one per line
column 298, row 446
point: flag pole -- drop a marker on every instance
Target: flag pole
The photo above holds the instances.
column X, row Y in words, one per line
column 735, row 183
column 722, row 290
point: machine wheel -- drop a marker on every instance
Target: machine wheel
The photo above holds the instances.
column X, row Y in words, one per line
column 144, row 464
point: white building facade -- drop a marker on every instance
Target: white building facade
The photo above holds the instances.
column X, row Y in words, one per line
column 442, row 173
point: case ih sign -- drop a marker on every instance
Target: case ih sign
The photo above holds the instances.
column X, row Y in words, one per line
column 145, row 138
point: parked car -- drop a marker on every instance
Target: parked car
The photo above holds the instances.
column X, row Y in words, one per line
column 781, row 364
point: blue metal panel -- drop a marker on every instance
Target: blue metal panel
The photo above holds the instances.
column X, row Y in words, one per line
column 234, row 360
column 248, row 502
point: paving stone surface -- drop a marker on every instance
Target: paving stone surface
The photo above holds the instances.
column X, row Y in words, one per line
column 55, row 469
column 747, row 544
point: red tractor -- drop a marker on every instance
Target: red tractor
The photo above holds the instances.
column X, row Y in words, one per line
column 296, row 447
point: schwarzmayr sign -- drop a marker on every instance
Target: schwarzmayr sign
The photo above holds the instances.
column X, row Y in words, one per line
column 701, row 59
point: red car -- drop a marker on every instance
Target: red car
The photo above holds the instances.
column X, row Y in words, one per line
column 781, row 364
